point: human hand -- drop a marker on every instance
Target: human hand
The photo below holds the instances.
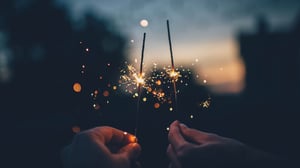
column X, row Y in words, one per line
column 193, row 148
column 102, row 147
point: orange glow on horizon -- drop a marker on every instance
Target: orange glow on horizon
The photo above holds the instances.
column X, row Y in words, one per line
column 226, row 79
column 218, row 59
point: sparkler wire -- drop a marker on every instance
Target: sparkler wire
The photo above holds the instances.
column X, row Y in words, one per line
column 173, row 67
column 139, row 88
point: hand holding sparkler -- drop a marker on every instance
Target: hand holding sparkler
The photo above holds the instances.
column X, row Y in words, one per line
column 104, row 147
column 193, row 148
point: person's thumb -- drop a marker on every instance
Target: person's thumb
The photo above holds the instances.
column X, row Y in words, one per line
column 131, row 151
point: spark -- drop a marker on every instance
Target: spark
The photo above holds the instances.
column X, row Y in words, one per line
column 106, row 93
column 156, row 83
column 156, row 105
column 139, row 80
column 96, row 106
column 144, row 99
column 77, row 87
column 206, row 103
column 173, row 74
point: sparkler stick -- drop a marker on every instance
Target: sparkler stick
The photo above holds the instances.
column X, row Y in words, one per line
column 170, row 44
column 173, row 74
column 139, row 83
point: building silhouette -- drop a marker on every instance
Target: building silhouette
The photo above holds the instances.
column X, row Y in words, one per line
column 270, row 99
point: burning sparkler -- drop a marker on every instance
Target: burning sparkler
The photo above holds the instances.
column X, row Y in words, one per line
column 173, row 74
column 139, row 81
column 161, row 84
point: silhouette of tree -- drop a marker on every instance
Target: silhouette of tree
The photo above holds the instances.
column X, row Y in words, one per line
column 48, row 58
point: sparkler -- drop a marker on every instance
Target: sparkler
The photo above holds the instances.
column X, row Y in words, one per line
column 157, row 84
column 139, row 81
column 172, row 74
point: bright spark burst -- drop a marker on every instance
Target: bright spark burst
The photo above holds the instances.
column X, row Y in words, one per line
column 130, row 79
column 173, row 74
column 157, row 83
column 139, row 80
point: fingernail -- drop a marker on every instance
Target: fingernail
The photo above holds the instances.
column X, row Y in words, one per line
column 183, row 125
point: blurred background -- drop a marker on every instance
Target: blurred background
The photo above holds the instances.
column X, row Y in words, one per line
column 60, row 64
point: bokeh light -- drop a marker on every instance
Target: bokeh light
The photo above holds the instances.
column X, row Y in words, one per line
column 144, row 23
column 77, row 87
column 76, row 129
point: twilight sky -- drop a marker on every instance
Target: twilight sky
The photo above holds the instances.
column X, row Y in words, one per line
column 203, row 31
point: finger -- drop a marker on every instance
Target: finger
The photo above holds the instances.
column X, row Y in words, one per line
column 131, row 151
column 173, row 158
column 175, row 137
column 112, row 135
column 195, row 136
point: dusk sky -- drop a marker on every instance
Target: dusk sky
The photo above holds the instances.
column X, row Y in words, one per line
column 203, row 31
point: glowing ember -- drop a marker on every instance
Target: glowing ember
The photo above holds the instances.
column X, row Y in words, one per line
column 156, row 105
column 140, row 81
column 77, row 87
column 158, row 82
column 106, row 93
column 173, row 74
column 75, row 129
